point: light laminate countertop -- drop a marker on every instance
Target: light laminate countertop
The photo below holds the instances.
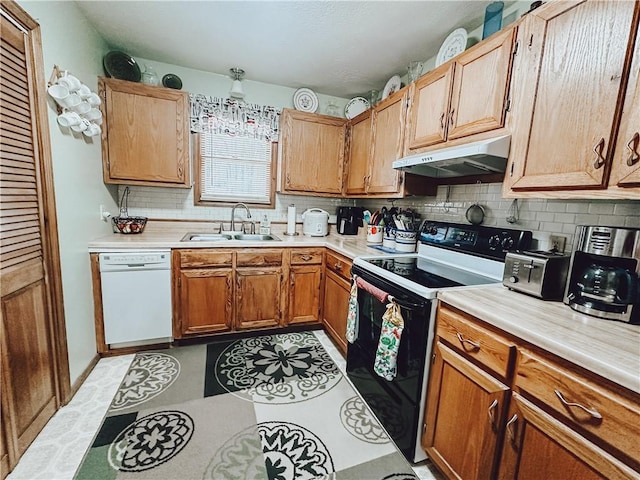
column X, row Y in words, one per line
column 608, row 348
column 166, row 234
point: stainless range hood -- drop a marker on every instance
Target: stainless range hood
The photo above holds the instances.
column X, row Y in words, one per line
column 477, row 158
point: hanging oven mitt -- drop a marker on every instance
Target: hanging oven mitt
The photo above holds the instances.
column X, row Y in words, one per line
column 387, row 352
column 352, row 314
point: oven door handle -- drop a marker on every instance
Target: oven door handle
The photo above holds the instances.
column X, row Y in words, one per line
column 408, row 305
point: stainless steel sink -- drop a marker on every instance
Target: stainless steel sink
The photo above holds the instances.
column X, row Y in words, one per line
column 255, row 237
column 219, row 237
column 206, row 237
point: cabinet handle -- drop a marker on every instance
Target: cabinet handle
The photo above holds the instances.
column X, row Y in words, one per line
column 442, row 121
column 633, row 148
column 306, row 258
column 591, row 411
column 451, row 116
column 337, row 266
column 598, row 150
column 463, row 340
column 511, row 424
column 492, row 414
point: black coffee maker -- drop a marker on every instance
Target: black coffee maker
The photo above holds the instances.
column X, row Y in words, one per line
column 604, row 273
column 348, row 220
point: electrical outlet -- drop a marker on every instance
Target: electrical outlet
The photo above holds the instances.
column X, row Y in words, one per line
column 557, row 243
column 104, row 215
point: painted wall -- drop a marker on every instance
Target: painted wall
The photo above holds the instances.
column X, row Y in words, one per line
column 71, row 43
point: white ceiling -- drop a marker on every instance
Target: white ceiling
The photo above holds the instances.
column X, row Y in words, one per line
column 341, row 48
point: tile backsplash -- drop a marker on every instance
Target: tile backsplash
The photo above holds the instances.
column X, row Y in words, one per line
column 543, row 217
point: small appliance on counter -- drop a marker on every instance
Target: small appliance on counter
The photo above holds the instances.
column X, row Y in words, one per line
column 539, row 273
column 348, row 220
column 603, row 273
column 315, row 222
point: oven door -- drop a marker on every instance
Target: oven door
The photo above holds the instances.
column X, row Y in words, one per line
column 396, row 403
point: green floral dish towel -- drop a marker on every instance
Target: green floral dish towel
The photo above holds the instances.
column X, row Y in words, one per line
column 352, row 314
column 387, row 352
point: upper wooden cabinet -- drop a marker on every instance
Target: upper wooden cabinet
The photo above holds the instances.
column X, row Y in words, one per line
column 376, row 140
column 312, row 153
column 572, row 77
column 145, row 136
column 464, row 97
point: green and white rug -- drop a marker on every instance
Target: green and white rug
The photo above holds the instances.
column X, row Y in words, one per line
column 269, row 407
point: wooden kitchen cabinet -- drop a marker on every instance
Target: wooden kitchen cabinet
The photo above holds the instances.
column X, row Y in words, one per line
column 305, row 286
column 145, row 135
column 337, row 290
column 202, row 292
column 465, row 403
column 573, row 77
column 360, row 133
column 313, row 149
column 552, row 419
column 259, row 288
column 464, row 97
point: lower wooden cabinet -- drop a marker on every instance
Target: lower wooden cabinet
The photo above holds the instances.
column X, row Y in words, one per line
column 305, row 286
column 335, row 307
column 258, row 297
column 498, row 409
column 539, row 446
column 464, row 418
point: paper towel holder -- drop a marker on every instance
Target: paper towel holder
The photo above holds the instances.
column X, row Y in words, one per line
column 290, row 211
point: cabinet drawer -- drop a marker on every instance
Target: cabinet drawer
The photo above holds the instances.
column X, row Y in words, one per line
column 339, row 264
column 205, row 258
column 488, row 348
column 581, row 402
column 306, row 257
column 259, row 258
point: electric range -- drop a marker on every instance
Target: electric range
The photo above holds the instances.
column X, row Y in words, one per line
column 449, row 256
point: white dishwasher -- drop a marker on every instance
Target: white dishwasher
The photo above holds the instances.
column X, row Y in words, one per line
column 136, row 296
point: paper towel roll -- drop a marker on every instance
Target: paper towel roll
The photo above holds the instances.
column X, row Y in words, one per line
column 291, row 220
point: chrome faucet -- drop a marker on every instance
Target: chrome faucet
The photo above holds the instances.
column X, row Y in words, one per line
column 233, row 214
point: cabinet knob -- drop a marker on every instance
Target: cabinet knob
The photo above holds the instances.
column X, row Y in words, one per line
column 599, row 150
column 633, row 148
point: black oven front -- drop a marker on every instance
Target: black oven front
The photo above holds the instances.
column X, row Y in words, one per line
column 396, row 403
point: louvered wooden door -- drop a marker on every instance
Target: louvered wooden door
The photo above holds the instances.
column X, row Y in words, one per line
column 29, row 387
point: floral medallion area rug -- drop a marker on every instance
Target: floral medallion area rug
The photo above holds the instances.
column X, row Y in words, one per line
column 272, row 407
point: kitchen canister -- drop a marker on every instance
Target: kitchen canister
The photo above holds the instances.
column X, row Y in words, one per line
column 374, row 234
column 406, row 240
column 389, row 237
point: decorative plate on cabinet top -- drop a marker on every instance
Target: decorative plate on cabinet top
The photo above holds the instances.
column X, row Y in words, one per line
column 393, row 85
column 171, row 80
column 355, row 107
column 453, row 45
column 121, row 66
column 305, row 99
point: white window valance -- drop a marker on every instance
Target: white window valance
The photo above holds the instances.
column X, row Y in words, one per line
column 226, row 116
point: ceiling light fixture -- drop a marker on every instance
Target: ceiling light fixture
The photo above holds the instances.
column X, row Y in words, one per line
column 236, row 87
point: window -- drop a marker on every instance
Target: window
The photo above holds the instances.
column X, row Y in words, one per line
column 235, row 169
column 236, row 149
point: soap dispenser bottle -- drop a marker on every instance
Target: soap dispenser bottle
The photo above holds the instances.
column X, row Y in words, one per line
column 265, row 226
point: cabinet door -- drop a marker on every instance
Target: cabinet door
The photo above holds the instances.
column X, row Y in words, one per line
column 304, row 293
column 258, row 297
column 538, row 446
column 312, row 152
column 388, row 143
column 335, row 308
column 575, row 59
column 205, row 300
column 429, row 110
column 359, row 150
column 465, row 406
column 145, row 135
column 625, row 171
column 480, row 87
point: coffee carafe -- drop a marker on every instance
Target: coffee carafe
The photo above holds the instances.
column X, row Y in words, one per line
column 603, row 273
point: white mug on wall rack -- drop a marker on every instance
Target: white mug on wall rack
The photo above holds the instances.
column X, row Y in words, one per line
column 69, row 119
column 69, row 81
column 92, row 130
column 82, row 126
column 95, row 115
column 71, row 101
column 82, row 107
column 93, row 99
column 84, row 91
column 59, row 93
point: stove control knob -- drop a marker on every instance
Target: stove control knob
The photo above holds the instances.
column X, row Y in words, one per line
column 507, row 243
column 513, row 279
column 494, row 241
